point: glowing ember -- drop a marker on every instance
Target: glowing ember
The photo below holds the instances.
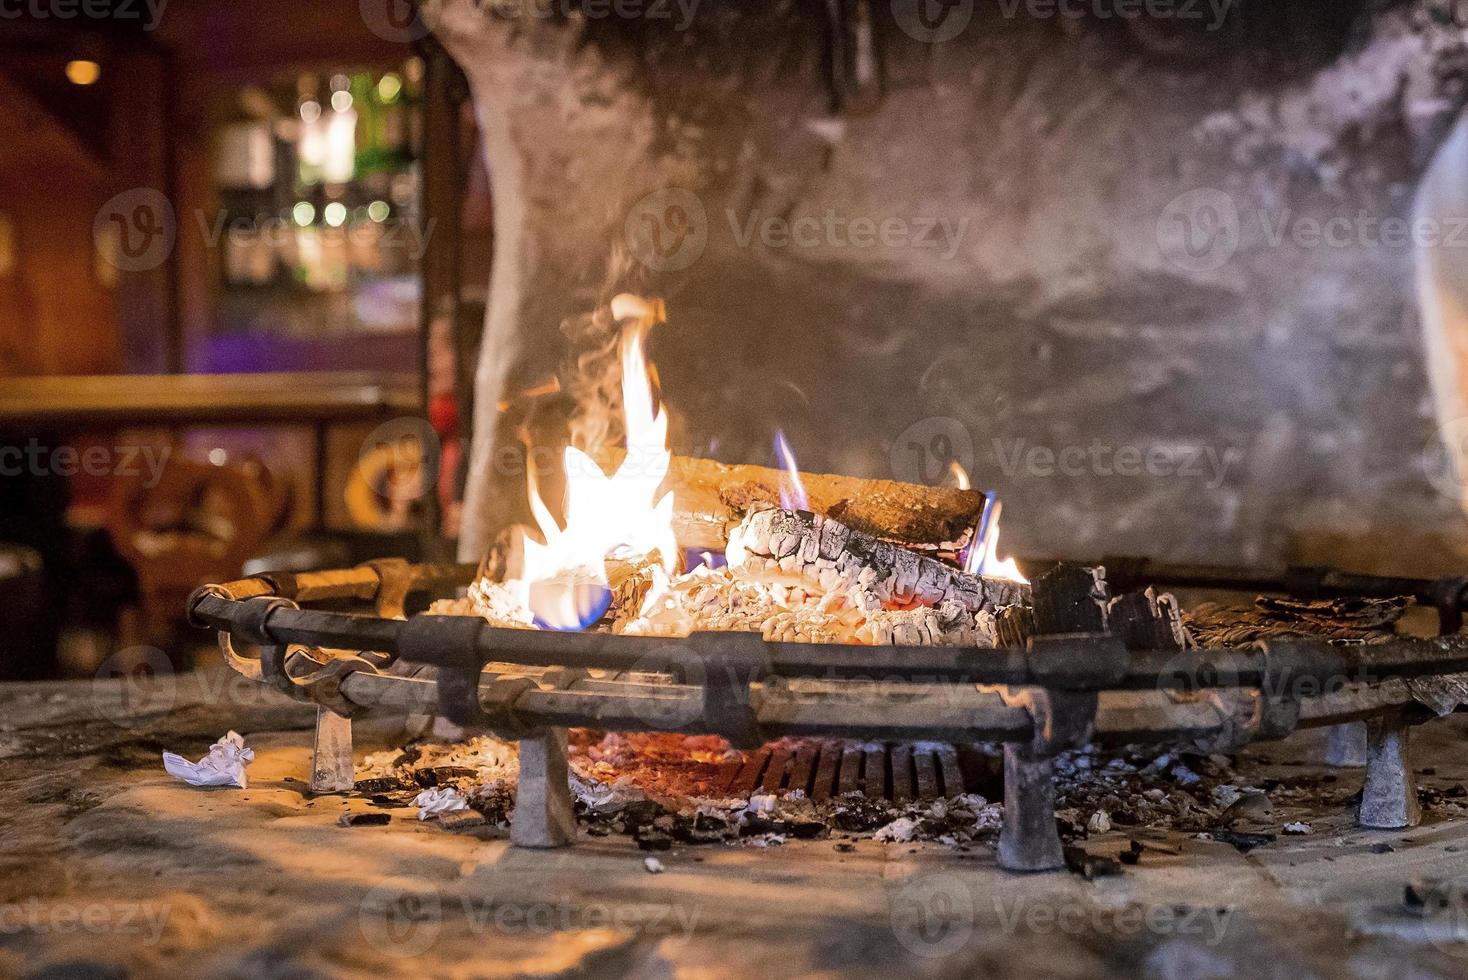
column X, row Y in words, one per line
column 792, row 491
column 564, row 581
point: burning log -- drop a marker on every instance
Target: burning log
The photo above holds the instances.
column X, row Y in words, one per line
column 825, row 556
column 711, row 498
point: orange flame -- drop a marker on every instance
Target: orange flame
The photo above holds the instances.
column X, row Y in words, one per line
column 564, row 581
column 792, row 495
column 982, row 557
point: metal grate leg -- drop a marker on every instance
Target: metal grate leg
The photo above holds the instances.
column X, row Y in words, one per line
column 331, row 755
column 1028, row 840
column 1389, row 798
column 544, row 816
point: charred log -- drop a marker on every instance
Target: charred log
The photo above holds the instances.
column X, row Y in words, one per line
column 826, row 556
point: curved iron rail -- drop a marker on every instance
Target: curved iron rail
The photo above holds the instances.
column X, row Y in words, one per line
column 1057, row 692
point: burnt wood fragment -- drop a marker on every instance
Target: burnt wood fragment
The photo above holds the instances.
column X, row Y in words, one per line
column 1147, row 621
column 1071, row 599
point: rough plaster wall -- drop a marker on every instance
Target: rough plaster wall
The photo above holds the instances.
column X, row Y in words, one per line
column 1280, row 383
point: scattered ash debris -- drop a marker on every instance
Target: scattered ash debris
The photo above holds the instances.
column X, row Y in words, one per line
column 666, row 790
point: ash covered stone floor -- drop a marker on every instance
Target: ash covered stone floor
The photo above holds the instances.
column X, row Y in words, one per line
column 108, row 868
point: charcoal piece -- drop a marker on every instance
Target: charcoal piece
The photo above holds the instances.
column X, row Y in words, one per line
column 1147, row 620
column 443, row 775
column 393, row 801
column 364, row 819
column 1070, row 599
column 1090, row 866
column 651, row 839
column 382, row 784
column 1243, row 840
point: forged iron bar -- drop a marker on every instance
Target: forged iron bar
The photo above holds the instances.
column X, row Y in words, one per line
column 933, row 712
column 1084, row 663
column 1122, row 716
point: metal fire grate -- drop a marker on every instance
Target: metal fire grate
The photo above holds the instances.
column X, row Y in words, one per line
column 880, row 719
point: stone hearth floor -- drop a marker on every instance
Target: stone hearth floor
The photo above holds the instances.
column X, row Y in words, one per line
column 109, row 867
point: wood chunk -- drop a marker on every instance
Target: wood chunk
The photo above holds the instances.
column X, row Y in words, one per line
column 1071, row 599
column 711, row 498
column 1013, row 626
column 1147, row 621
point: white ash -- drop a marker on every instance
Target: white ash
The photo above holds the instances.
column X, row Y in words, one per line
column 653, row 865
column 650, row 603
column 899, row 831
column 1185, row 776
column 1226, row 795
column 605, row 798
column 1099, row 822
column 1298, row 827
column 823, row 556
column 989, row 819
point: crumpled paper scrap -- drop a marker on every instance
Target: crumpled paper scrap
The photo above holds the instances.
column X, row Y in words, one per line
column 224, row 765
column 441, row 799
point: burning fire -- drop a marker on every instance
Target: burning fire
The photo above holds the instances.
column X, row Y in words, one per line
column 564, row 582
column 792, row 491
column 982, row 555
column 625, row 517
